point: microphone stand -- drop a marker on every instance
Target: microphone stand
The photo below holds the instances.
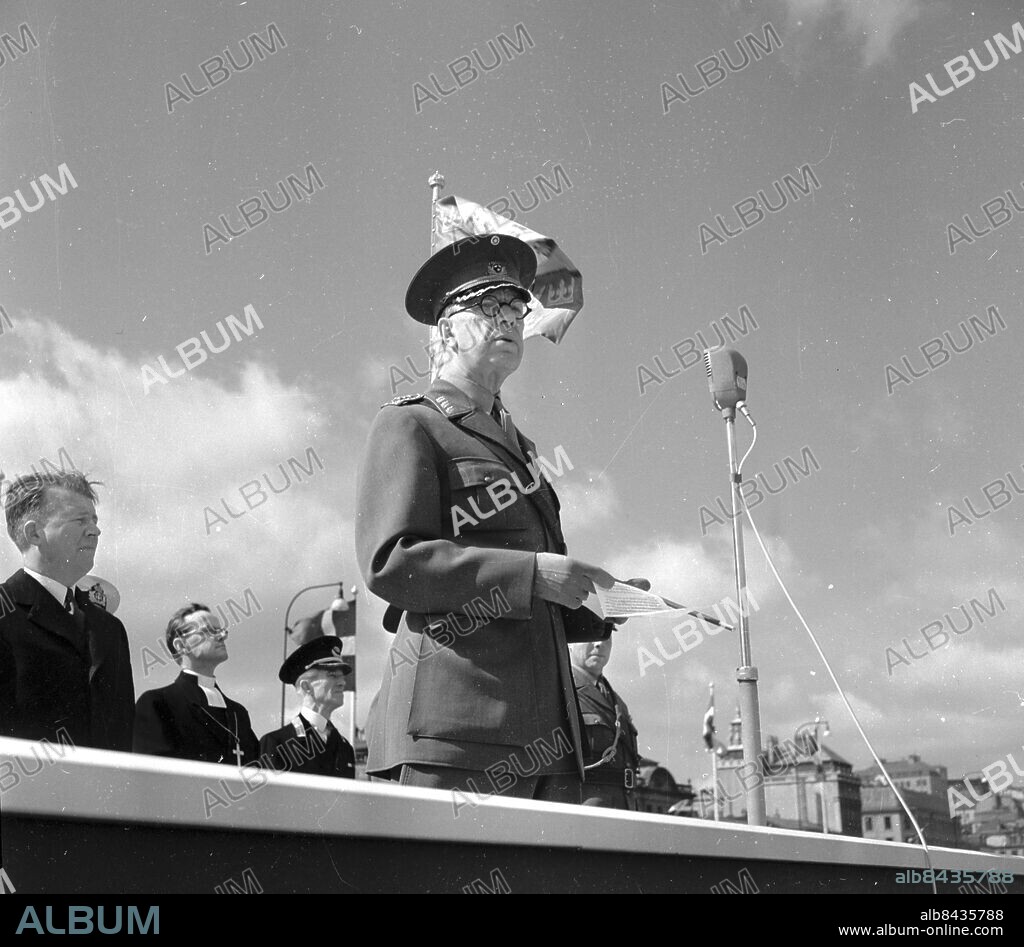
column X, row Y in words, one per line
column 746, row 673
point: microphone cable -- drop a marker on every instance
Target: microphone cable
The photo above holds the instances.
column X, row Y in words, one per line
column 771, row 565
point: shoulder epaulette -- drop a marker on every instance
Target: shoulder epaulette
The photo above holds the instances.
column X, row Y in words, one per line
column 403, row 399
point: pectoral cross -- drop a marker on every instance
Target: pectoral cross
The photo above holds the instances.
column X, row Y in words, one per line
column 238, row 754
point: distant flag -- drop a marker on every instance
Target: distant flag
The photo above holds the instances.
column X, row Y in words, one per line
column 305, row 630
column 559, row 285
column 709, row 721
column 342, row 622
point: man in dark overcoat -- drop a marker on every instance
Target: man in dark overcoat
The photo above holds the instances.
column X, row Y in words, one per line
column 65, row 667
column 458, row 530
column 192, row 718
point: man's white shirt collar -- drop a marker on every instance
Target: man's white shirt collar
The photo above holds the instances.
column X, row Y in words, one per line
column 57, row 589
column 318, row 720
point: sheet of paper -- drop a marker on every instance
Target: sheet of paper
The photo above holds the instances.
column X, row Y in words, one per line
column 625, row 601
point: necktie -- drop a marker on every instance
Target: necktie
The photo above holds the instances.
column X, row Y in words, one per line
column 502, row 416
column 76, row 613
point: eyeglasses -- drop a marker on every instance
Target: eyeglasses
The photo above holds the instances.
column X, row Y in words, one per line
column 216, row 632
column 492, row 307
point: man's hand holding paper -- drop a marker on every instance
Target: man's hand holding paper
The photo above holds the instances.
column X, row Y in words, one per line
column 628, row 599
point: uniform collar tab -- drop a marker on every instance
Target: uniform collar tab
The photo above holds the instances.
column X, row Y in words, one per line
column 452, row 401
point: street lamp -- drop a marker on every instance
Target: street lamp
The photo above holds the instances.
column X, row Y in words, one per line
column 817, row 723
column 338, row 605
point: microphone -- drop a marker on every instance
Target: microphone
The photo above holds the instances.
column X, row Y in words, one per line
column 727, row 378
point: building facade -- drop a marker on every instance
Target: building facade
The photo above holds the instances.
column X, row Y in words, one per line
column 911, row 773
column 884, row 818
column 657, row 790
column 989, row 821
column 923, row 787
column 807, row 786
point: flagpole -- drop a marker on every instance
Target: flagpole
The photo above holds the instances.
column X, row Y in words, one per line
column 355, row 685
column 436, row 184
column 714, row 777
column 714, row 754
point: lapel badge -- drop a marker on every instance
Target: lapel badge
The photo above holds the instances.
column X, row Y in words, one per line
column 97, row 596
column 100, row 592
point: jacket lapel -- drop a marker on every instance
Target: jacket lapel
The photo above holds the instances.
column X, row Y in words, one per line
column 590, row 694
column 196, row 700
column 315, row 747
column 45, row 611
column 460, row 410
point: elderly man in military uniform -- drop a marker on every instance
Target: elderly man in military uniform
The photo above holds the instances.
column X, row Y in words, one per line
column 310, row 743
column 612, row 760
column 458, row 531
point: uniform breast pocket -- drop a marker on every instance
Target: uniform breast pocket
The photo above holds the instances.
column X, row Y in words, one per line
column 484, row 496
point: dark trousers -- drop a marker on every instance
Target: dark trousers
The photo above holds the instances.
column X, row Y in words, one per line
column 559, row 787
column 608, row 796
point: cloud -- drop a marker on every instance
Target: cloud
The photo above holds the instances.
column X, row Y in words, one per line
column 173, row 463
column 586, row 503
column 701, row 573
column 873, row 25
column 197, row 442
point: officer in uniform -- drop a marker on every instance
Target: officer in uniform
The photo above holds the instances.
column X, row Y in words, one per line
column 459, row 532
column 612, row 760
column 311, row 743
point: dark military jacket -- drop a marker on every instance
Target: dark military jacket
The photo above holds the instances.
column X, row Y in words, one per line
column 599, row 704
column 298, row 748
column 479, row 669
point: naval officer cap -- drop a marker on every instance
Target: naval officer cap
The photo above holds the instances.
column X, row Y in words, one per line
column 490, row 261
column 323, row 652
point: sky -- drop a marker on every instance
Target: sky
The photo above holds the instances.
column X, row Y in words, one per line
column 886, row 532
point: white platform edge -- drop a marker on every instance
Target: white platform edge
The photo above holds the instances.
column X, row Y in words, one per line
column 122, row 788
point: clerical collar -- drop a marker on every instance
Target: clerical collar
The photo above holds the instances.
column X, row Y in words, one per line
column 208, row 685
column 204, row 680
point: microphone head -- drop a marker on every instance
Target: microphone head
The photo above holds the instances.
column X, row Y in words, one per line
column 727, row 376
